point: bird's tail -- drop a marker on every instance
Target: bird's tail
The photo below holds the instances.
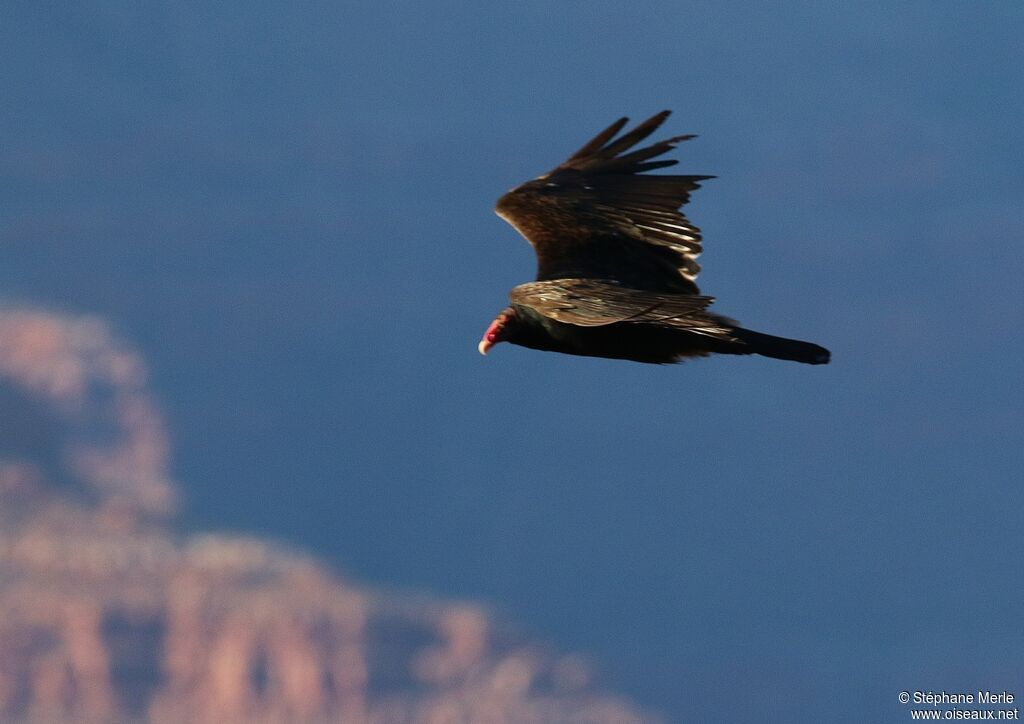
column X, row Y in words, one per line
column 778, row 347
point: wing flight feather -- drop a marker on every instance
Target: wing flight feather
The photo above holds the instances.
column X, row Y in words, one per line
column 599, row 216
column 593, row 303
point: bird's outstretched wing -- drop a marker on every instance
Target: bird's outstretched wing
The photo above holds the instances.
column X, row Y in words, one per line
column 593, row 303
column 599, row 216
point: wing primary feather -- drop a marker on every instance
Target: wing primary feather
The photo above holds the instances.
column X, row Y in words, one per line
column 636, row 135
column 653, row 150
column 651, row 165
column 598, row 141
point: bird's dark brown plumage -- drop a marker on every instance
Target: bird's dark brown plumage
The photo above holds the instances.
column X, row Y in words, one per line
column 596, row 216
column 617, row 261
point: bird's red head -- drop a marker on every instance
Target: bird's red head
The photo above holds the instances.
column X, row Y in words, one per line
column 499, row 330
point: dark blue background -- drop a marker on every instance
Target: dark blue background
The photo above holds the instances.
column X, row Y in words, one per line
column 287, row 206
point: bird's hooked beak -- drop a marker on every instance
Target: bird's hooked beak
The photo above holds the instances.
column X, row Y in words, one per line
column 493, row 334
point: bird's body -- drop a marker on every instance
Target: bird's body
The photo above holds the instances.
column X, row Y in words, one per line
column 638, row 342
column 616, row 263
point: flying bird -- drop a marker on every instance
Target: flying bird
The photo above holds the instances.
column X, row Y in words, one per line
column 617, row 262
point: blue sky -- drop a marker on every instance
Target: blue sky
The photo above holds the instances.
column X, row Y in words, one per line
column 287, row 206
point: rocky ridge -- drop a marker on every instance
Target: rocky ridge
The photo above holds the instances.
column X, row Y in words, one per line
column 107, row 614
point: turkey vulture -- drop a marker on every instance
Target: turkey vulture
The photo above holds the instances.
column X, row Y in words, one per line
column 616, row 262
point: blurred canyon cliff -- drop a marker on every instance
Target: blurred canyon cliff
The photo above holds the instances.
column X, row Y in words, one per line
column 109, row 615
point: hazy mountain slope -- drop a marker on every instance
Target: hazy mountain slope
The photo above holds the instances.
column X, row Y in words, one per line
column 108, row 615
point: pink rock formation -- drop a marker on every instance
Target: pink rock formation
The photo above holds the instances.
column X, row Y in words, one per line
column 106, row 615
